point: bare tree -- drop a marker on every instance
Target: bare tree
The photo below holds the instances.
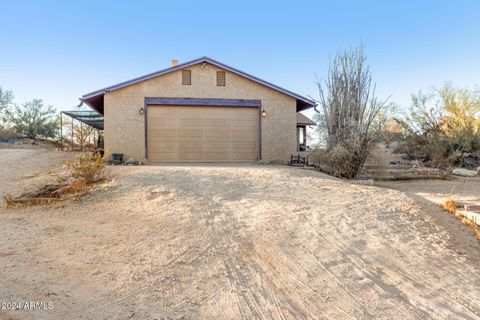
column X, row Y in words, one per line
column 350, row 112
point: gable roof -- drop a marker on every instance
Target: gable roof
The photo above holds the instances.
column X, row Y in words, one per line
column 95, row 99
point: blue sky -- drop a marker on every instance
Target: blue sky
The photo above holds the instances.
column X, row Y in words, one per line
column 59, row 50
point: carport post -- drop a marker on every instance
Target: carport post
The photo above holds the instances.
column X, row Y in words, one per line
column 81, row 136
column 73, row 146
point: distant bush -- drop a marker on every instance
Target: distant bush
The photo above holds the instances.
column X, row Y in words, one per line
column 33, row 119
column 440, row 126
column 87, row 166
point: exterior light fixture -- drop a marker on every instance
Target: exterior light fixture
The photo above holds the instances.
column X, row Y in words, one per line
column 140, row 110
column 264, row 113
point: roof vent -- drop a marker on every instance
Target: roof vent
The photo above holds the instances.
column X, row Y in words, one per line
column 173, row 63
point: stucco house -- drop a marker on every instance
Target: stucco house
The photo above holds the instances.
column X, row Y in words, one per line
column 201, row 111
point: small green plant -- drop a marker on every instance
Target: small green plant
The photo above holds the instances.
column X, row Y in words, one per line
column 87, row 166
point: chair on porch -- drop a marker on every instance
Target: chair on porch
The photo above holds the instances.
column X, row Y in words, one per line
column 298, row 160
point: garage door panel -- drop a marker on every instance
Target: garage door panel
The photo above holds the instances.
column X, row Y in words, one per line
column 163, row 146
column 189, row 140
column 249, row 128
column 161, row 114
column 242, row 134
column 217, row 150
column 242, row 156
column 189, row 156
column 217, row 123
column 189, row 133
column 218, row 144
column 156, row 139
column 161, row 133
column 217, row 134
column 190, row 122
column 162, row 156
column 162, row 123
column 179, row 133
column 189, row 144
column 189, row 147
column 213, row 112
column 244, row 145
column 218, row 156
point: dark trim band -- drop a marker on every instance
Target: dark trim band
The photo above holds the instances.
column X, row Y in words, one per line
column 210, row 102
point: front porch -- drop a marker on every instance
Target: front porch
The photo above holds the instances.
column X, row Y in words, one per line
column 302, row 123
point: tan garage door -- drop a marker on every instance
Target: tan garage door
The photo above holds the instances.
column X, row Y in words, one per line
column 197, row 133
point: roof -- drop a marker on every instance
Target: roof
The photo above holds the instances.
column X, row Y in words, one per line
column 95, row 99
column 92, row 118
column 304, row 120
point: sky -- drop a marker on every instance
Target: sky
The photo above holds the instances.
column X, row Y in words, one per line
column 60, row 50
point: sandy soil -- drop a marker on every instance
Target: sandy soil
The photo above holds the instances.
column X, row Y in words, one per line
column 230, row 242
column 429, row 194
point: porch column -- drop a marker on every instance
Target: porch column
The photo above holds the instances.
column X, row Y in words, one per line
column 305, row 137
column 298, row 138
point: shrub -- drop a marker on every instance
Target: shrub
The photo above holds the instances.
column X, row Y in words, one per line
column 344, row 161
column 440, row 126
column 33, row 119
column 450, row 206
column 87, row 166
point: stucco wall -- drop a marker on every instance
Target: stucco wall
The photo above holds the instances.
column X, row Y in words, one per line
column 124, row 126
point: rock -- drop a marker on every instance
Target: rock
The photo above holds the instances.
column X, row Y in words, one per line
column 130, row 162
column 409, row 157
column 396, row 163
column 464, row 172
column 470, row 161
column 364, row 182
column 114, row 162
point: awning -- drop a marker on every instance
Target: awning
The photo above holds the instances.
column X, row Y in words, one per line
column 303, row 120
column 91, row 118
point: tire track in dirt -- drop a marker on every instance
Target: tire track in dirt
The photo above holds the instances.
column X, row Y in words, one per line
column 187, row 255
column 407, row 277
column 223, row 243
column 362, row 264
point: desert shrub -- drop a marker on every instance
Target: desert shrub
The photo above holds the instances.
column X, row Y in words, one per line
column 87, row 166
column 461, row 118
column 439, row 127
column 351, row 114
column 450, row 206
column 343, row 161
column 33, row 119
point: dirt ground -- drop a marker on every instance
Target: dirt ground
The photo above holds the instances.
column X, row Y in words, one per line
column 231, row 242
column 429, row 194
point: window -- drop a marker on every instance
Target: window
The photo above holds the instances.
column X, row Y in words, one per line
column 187, row 77
column 221, row 78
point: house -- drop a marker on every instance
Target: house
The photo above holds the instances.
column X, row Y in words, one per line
column 200, row 111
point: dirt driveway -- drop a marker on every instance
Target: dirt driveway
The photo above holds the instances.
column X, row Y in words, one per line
column 231, row 242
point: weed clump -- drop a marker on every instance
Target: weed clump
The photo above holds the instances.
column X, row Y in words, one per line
column 88, row 167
